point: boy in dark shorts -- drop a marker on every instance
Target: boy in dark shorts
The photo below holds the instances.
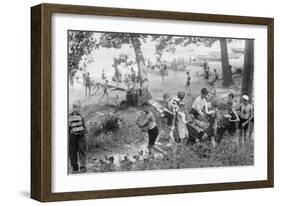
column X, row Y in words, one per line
column 207, row 73
column 232, row 119
column 77, row 140
column 205, row 65
column 229, row 123
column 187, row 85
column 149, row 125
column 216, row 75
column 103, row 76
column 245, row 115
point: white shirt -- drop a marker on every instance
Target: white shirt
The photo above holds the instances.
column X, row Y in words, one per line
column 198, row 104
column 150, row 119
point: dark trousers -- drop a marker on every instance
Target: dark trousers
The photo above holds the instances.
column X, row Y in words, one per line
column 77, row 149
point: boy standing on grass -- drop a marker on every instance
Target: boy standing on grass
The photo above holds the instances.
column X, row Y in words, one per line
column 103, row 76
column 182, row 129
column 88, row 85
column 149, row 124
column 245, row 115
column 77, row 140
column 205, row 65
column 133, row 77
column 105, row 92
column 252, row 123
column 207, row 73
column 212, row 116
column 169, row 113
column 187, row 85
column 216, row 75
column 232, row 119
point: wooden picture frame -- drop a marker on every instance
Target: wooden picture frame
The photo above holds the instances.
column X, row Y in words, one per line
column 41, row 98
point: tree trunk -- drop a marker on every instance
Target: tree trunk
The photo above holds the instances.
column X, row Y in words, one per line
column 226, row 70
column 71, row 76
column 142, row 74
column 248, row 69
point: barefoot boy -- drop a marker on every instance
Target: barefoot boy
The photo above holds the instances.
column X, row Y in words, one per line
column 212, row 116
column 149, row 124
column 245, row 115
column 187, row 85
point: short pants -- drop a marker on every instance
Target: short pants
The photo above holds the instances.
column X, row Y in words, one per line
column 241, row 122
column 170, row 119
column 152, row 136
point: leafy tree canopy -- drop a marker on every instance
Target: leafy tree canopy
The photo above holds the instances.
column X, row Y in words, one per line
column 168, row 43
column 117, row 40
column 80, row 43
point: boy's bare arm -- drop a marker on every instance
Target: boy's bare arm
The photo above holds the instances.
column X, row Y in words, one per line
column 250, row 117
column 167, row 110
column 209, row 112
column 84, row 125
column 237, row 119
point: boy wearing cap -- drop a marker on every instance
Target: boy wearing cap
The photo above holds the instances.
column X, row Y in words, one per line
column 245, row 115
column 77, row 140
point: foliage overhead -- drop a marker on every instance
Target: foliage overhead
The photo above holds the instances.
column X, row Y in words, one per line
column 117, row 40
column 168, row 43
column 81, row 43
column 122, row 59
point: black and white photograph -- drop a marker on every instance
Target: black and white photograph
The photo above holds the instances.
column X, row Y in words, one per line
column 139, row 101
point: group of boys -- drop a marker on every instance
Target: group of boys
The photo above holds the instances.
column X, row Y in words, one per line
column 206, row 68
column 202, row 107
column 91, row 86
